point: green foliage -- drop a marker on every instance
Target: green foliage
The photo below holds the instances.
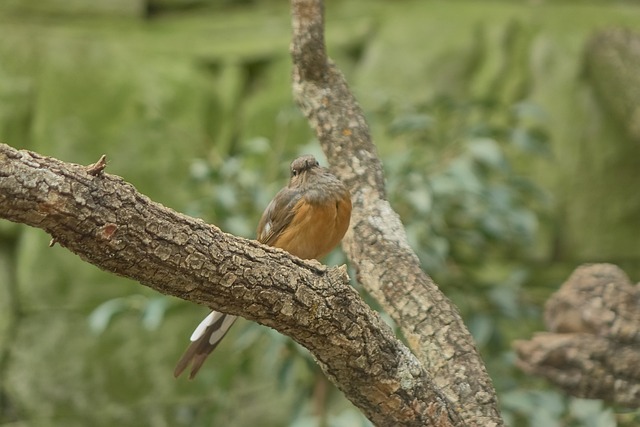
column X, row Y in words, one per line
column 152, row 311
column 454, row 172
column 550, row 409
column 194, row 108
column 471, row 216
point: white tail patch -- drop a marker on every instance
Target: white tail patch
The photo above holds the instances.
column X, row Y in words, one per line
column 208, row 321
column 224, row 327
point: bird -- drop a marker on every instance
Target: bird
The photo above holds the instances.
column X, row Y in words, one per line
column 307, row 218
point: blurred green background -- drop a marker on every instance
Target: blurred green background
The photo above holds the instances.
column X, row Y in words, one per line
column 506, row 170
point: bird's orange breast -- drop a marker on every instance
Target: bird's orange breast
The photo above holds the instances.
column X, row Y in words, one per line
column 315, row 229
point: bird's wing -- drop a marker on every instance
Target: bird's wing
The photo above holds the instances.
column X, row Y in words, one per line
column 278, row 215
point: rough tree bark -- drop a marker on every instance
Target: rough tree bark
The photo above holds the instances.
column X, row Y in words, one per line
column 108, row 223
column 593, row 349
column 376, row 244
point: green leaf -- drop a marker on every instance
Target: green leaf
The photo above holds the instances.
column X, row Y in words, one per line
column 153, row 313
column 481, row 327
column 591, row 413
column 101, row 316
column 410, row 123
column 486, row 151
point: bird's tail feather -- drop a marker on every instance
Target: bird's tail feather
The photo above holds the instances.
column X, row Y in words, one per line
column 204, row 340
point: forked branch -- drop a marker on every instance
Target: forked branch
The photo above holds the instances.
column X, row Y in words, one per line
column 377, row 244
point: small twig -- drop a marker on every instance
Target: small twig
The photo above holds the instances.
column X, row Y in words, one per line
column 97, row 168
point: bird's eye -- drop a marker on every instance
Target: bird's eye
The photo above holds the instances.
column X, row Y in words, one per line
column 294, row 172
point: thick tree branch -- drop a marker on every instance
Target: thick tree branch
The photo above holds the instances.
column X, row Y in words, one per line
column 593, row 349
column 109, row 224
column 376, row 243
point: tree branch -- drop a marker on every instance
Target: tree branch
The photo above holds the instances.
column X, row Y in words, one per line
column 376, row 243
column 109, row 224
column 592, row 351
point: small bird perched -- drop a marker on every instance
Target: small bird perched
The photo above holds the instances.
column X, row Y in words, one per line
column 307, row 218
